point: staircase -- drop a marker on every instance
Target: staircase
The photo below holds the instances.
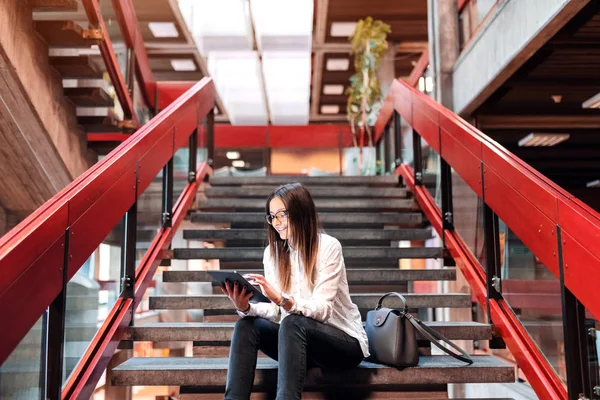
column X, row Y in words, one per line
column 370, row 216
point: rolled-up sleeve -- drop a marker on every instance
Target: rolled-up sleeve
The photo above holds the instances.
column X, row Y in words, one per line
column 270, row 311
column 330, row 271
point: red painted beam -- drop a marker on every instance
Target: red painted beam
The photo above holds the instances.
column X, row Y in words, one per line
column 168, row 92
column 107, row 137
column 132, row 35
column 461, row 4
column 419, row 69
column 92, row 9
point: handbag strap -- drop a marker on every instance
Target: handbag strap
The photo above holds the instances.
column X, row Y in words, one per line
column 402, row 299
column 435, row 337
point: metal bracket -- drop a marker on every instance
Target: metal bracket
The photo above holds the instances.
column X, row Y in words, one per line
column 496, row 283
column 592, row 333
column 418, row 178
column 126, row 281
column 166, row 218
column 449, row 218
column 398, row 161
column 597, row 390
column 192, row 176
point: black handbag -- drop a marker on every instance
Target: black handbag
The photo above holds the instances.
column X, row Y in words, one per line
column 393, row 340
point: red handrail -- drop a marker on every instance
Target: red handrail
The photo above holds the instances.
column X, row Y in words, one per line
column 531, row 206
column 32, row 255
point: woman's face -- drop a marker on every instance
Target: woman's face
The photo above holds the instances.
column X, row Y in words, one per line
column 280, row 220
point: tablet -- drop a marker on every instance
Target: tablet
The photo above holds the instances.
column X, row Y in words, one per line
column 234, row 276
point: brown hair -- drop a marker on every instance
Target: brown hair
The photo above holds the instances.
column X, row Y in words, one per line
column 303, row 235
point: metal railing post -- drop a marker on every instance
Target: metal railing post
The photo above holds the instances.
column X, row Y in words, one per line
column 397, row 138
column 167, row 192
column 193, row 158
column 56, row 333
column 210, row 137
column 417, row 158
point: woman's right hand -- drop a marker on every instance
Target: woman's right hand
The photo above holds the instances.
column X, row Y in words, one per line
column 237, row 295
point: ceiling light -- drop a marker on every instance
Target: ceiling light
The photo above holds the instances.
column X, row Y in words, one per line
column 338, row 64
column 163, row 29
column 283, row 25
column 238, row 163
column 330, row 109
column 233, row 155
column 556, row 98
column 333, row 89
column 593, row 184
column 183, row 65
column 592, row 102
column 342, row 29
column 543, row 139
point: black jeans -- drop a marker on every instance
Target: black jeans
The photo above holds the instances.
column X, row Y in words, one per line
column 297, row 343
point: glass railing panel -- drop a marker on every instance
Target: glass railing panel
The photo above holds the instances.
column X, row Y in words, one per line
column 91, row 294
column 468, row 216
column 21, row 375
column 534, row 295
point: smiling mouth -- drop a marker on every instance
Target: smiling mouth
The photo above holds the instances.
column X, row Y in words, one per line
column 281, row 229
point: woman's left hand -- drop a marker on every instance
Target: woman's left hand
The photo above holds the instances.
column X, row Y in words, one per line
column 268, row 290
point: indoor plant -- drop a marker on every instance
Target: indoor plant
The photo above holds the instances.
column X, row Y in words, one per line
column 369, row 46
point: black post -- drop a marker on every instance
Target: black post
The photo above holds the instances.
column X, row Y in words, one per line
column 128, row 253
column 44, row 357
column 386, row 148
column 210, row 137
column 129, row 72
column 167, row 191
column 193, row 150
column 418, row 158
column 379, row 152
column 56, row 332
column 575, row 336
column 398, row 138
column 447, row 205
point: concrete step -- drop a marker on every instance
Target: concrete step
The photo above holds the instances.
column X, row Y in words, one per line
column 327, row 218
column 340, row 234
column 362, row 253
column 315, row 191
column 357, row 276
column 363, row 301
column 212, row 373
column 76, row 67
column 89, row 97
column 344, row 205
column 221, row 332
column 307, row 180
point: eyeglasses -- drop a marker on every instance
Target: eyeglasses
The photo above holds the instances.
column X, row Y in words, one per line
column 280, row 216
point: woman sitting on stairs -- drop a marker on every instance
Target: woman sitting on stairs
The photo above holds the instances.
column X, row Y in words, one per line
column 305, row 279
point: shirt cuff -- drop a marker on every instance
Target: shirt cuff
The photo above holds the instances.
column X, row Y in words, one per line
column 247, row 314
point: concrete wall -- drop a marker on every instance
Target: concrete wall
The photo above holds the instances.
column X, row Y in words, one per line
column 28, row 55
column 514, row 32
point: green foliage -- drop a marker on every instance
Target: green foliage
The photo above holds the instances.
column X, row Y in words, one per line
column 369, row 46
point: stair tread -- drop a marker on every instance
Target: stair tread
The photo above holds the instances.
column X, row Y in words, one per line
column 315, row 191
column 325, row 217
column 309, row 180
column 89, row 97
column 64, row 34
column 362, row 300
column 76, row 67
column 222, row 331
column 195, row 371
column 349, row 252
column 355, row 275
column 321, row 204
column 53, row 5
column 340, row 234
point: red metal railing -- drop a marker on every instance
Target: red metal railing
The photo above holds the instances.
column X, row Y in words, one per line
column 32, row 255
column 531, row 206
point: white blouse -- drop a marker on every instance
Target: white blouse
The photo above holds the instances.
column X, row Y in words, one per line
column 329, row 302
